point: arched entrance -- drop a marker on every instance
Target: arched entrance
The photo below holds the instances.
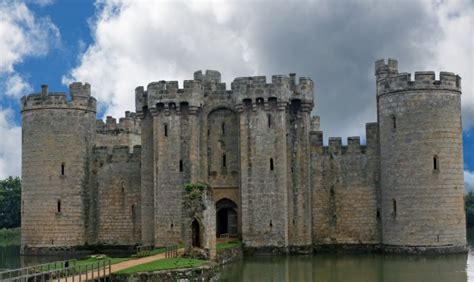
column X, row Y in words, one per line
column 196, row 234
column 226, row 218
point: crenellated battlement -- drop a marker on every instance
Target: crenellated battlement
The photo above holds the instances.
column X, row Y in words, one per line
column 105, row 154
column 353, row 147
column 282, row 87
column 129, row 123
column 389, row 80
column 212, row 76
column 167, row 96
column 80, row 99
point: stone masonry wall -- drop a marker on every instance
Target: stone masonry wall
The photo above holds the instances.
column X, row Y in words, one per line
column 344, row 195
column 264, row 175
column 57, row 137
column 117, row 180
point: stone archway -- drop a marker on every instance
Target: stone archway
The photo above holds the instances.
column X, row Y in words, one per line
column 226, row 218
column 196, row 234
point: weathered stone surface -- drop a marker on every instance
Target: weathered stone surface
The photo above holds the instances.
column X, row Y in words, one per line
column 262, row 153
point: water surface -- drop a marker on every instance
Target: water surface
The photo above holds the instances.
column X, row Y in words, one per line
column 327, row 267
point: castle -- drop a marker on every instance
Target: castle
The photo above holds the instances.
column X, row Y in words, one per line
column 275, row 184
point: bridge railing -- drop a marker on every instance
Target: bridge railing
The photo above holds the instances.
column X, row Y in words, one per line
column 62, row 271
column 171, row 251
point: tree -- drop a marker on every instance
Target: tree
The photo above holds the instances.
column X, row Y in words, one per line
column 10, row 202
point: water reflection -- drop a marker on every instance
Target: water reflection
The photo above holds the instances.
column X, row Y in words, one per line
column 363, row 268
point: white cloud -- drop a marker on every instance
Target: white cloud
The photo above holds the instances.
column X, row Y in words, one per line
column 16, row 86
column 334, row 43
column 10, row 145
column 42, row 2
column 455, row 51
column 22, row 35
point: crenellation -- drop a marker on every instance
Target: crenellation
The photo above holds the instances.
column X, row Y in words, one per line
column 402, row 82
column 80, row 100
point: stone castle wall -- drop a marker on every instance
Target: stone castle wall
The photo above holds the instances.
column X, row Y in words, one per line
column 421, row 158
column 345, row 188
column 116, row 182
column 58, row 135
column 262, row 153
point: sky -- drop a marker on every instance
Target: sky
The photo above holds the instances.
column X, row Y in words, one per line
column 116, row 45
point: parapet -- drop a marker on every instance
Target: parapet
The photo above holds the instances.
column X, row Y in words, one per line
column 209, row 76
column 128, row 124
column 80, row 94
column 423, row 81
column 167, row 95
column 315, row 123
column 390, row 81
column 354, row 146
column 383, row 70
column 104, row 154
column 282, row 87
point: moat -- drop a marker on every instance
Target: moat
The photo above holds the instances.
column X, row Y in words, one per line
column 327, row 267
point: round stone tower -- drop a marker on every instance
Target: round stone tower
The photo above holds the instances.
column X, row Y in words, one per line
column 421, row 161
column 57, row 137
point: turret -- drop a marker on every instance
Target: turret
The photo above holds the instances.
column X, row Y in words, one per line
column 58, row 135
column 421, row 160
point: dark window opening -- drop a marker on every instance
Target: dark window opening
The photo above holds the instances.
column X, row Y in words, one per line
column 394, row 203
column 59, row 206
column 63, row 166
column 166, row 130
column 180, row 165
column 378, row 213
column 435, row 163
column 271, row 164
column 223, row 160
column 223, row 128
column 271, row 223
column 269, row 121
column 394, row 122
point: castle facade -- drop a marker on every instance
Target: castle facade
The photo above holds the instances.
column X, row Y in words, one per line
column 275, row 184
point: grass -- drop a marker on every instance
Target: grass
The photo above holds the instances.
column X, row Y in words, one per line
column 227, row 245
column 162, row 264
column 10, row 236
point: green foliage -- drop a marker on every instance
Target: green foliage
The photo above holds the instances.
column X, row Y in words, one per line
column 9, row 237
column 469, row 206
column 195, row 189
column 228, row 245
column 10, row 202
column 161, row 264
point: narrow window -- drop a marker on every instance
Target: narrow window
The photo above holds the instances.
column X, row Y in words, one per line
column 394, row 122
column 435, row 163
column 59, row 206
column 223, row 128
column 166, row 130
column 224, row 160
column 63, row 165
column 180, row 165
column 394, row 203
column 271, row 223
column 269, row 121
column 378, row 214
column 271, row 164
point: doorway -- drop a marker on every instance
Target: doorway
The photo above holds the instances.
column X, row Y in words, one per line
column 196, row 234
column 226, row 218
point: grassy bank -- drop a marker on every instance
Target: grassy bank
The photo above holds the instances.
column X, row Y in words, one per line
column 227, row 245
column 162, row 264
column 10, row 236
